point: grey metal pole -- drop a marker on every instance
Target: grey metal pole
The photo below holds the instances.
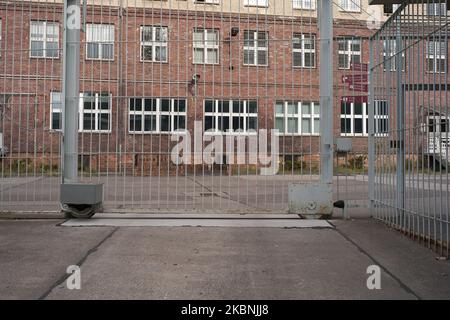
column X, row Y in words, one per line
column 371, row 129
column 325, row 15
column 400, row 124
column 70, row 90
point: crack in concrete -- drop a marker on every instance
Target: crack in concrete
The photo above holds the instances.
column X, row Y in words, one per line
column 385, row 269
column 63, row 278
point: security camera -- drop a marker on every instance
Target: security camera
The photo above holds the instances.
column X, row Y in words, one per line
column 195, row 78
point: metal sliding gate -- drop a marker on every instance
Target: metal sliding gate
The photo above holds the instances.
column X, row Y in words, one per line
column 409, row 156
column 160, row 81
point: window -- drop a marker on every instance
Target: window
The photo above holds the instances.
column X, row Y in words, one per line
column 154, row 44
column 436, row 9
column 297, row 118
column 304, row 50
column 206, row 46
column 349, row 52
column 390, row 55
column 304, row 4
column 350, row 5
column 257, row 3
column 381, row 117
column 44, row 39
column 55, row 111
column 436, row 56
column 156, row 115
column 231, row 116
column 354, row 119
column 95, row 112
column 100, row 42
column 256, row 48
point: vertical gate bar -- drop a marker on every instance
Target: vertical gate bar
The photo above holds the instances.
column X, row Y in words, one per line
column 371, row 139
column 70, row 77
column 325, row 17
column 400, row 124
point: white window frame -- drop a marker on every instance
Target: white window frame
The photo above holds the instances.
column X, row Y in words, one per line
column 349, row 52
column 45, row 39
column 206, row 45
column 256, row 48
column 154, row 44
column 157, row 114
column 312, row 115
column 303, row 50
column 436, row 57
column 230, row 114
column 97, row 112
column 256, row 3
column 352, row 116
column 55, row 107
column 350, row 5
column 101, row 42
column 304, row 4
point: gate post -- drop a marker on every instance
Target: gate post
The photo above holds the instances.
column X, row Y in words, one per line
column 325, row 16
column 315, row 200
column 70, row 92
column 77, row 200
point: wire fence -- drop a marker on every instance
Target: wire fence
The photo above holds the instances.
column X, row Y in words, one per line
column 153, row 73
column 410, row 160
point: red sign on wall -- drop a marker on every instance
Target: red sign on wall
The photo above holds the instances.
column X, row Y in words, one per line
column 355, row 78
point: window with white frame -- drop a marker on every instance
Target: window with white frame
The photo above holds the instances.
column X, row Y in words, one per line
column 256, row 3
column 304, row 4
column 100, row 42
column 297, row 117
column 55, row 111
column 436, row 56
column 354, row 119
column 154, row 43
column 390, row 55
column 156, row 115
column 436, row 9
column 95, row 112
column 349, row 50
column 44, row 39
column 350, row 5
column 206, row 46
column 304, row 50
column 256, row 48
column 231, row 116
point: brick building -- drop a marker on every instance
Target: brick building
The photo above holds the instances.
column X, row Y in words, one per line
column 153, row 67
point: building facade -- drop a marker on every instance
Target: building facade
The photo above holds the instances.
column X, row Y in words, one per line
column 150, row 69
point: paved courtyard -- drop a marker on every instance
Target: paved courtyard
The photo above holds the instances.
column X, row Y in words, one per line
column 201, row 262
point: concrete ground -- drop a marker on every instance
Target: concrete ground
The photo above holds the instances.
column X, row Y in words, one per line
column 237, row 262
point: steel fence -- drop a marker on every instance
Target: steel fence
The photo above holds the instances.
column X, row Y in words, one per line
column 153, row 72
column 409, row 159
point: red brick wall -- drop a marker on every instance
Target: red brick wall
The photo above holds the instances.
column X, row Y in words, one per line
column 26, row 129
